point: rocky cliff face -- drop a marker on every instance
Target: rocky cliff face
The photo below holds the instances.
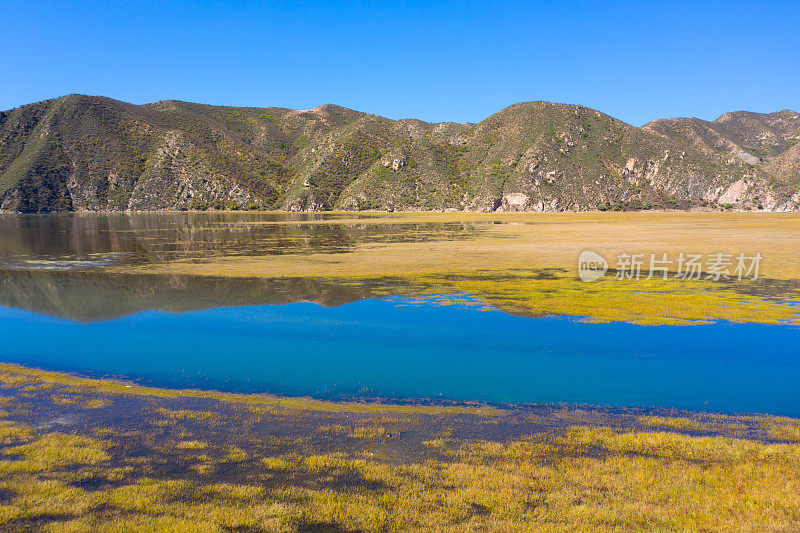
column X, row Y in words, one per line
column 91, row 153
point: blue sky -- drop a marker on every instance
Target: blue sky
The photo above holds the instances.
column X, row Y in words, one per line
column 458, row 61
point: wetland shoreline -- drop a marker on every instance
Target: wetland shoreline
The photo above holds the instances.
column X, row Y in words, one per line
column 84, row 454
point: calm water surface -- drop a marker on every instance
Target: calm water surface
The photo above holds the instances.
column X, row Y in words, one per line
column 260, row 336
column 404, row 348
column 69, row 241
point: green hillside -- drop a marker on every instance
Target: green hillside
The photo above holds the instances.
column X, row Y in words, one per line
column 82, row 153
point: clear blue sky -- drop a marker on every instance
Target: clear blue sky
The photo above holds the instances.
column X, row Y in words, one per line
column 459, row 60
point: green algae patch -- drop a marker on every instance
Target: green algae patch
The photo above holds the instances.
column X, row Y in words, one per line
column 556, row 292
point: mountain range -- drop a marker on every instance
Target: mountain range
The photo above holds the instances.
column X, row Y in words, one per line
column 87, row 153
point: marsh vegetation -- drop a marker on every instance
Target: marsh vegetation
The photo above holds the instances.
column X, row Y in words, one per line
column 121, row 458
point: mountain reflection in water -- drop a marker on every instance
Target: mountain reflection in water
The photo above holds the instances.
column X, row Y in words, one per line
column 102, row 239
column 92, row 296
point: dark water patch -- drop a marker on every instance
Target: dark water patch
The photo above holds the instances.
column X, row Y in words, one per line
column 778, row 289
column 511, row 274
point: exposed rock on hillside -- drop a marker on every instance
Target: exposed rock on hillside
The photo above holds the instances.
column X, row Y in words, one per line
column 91, row 153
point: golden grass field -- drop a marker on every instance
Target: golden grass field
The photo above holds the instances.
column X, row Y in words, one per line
column 528, row 241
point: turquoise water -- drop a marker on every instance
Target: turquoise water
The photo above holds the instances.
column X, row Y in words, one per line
column 398, row 348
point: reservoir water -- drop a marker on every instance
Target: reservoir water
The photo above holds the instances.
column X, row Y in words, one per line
column 420, row 349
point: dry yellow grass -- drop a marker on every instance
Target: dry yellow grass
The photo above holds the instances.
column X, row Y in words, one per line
column 528, row 241
column 588, row 478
